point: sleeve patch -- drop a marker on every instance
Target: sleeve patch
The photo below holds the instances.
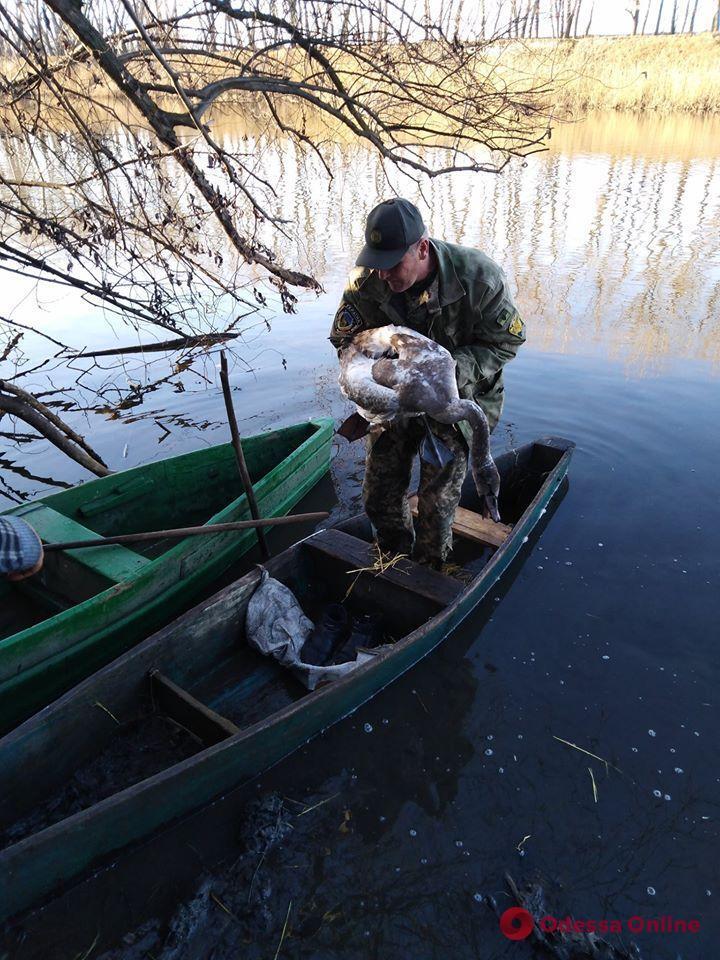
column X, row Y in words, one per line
column 516, row 326
column 347, row 320
column 509, row 319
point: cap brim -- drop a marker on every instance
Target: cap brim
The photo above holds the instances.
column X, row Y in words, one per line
column 380, row 259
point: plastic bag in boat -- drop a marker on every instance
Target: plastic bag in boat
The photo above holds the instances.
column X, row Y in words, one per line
column 276, row 626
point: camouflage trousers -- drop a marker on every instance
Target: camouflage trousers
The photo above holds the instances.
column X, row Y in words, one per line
column 388, row 465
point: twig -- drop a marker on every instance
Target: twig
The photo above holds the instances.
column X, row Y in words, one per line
column 84, row 956
column 284, row 929
column 421, row 702
column 587, row 752
column 222, row 906
column 316, row 805
column 255, row 873
column 592, row 777
column 183, row 343
column 102, row 706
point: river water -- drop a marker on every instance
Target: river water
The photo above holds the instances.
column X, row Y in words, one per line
column 603, row 637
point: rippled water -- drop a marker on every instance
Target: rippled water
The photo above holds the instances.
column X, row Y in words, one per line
column 604, row 637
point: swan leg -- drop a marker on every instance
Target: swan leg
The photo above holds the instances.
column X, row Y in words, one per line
column 433, row 450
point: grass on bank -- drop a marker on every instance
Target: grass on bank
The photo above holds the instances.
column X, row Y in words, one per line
column 664, row 74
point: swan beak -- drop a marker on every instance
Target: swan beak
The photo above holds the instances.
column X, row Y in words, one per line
column 490, row 507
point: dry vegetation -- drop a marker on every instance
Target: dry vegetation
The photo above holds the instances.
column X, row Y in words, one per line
column 663, row 74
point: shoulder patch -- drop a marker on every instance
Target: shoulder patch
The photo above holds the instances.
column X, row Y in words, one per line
column 509, row 319
column 516, row 326
column 347, row 320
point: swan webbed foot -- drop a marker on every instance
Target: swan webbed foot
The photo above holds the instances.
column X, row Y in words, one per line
column 353, row 428
column 433, row 451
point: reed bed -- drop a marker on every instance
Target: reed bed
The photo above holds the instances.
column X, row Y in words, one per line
column 665, row 74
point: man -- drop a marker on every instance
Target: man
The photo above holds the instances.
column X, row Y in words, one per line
column 459, row 297
column 21, row 551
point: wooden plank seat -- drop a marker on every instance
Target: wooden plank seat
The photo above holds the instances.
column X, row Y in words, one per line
column 182, row 707
column 354, row 554
column 473, row 526
column 113, row 561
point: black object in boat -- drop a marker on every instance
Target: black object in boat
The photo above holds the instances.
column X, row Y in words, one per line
column 366, row 632
column 330, row 632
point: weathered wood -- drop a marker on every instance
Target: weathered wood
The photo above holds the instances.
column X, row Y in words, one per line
column 52, row 744
column 237, row 446
column 190, row 531
column 183, row 708
column 473, row 526
column 43, row 657
column 116, row 563
column 353, row 554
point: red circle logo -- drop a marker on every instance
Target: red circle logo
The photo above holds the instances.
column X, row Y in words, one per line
column 516, row 923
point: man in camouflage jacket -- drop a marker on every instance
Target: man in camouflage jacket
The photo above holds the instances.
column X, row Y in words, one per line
column 458, row 297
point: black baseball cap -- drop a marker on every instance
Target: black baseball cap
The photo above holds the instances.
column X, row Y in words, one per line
column 392, row 227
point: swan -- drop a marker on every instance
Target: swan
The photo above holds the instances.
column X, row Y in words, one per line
column 392, row 372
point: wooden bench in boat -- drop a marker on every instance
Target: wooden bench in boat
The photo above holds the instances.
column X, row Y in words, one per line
column 354, row 554
column 473, row 526
column 113, row 561
column 186, row 710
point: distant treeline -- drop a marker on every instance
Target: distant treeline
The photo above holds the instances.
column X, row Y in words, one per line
column 359, row 22
column 564, row 19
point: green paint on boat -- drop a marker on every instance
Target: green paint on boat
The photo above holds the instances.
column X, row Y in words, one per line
column 45, row 845
column 88, row 606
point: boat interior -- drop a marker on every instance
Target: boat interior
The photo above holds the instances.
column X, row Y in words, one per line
column 197, row 682
column 183, row 491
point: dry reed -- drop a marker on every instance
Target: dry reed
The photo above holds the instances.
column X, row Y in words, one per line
column 664, row 74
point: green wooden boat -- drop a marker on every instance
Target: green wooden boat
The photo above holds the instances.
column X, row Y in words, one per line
column 88, row 606
column 193, row 711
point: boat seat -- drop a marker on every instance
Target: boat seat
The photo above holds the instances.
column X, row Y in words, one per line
column 415, row 578
column 473, row 526
column 183, row 708
column 113, row 561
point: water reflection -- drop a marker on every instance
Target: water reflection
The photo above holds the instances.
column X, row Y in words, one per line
column 610, row 238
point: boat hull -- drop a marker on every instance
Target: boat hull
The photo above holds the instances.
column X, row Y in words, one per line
column 39, row 663
column 34, row 867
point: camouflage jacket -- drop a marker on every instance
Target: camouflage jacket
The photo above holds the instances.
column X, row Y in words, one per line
column 467, row 309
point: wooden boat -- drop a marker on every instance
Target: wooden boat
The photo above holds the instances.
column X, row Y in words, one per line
column 88, row 606
column 193, row 711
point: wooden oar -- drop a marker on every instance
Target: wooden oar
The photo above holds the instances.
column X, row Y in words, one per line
column 187, row 531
